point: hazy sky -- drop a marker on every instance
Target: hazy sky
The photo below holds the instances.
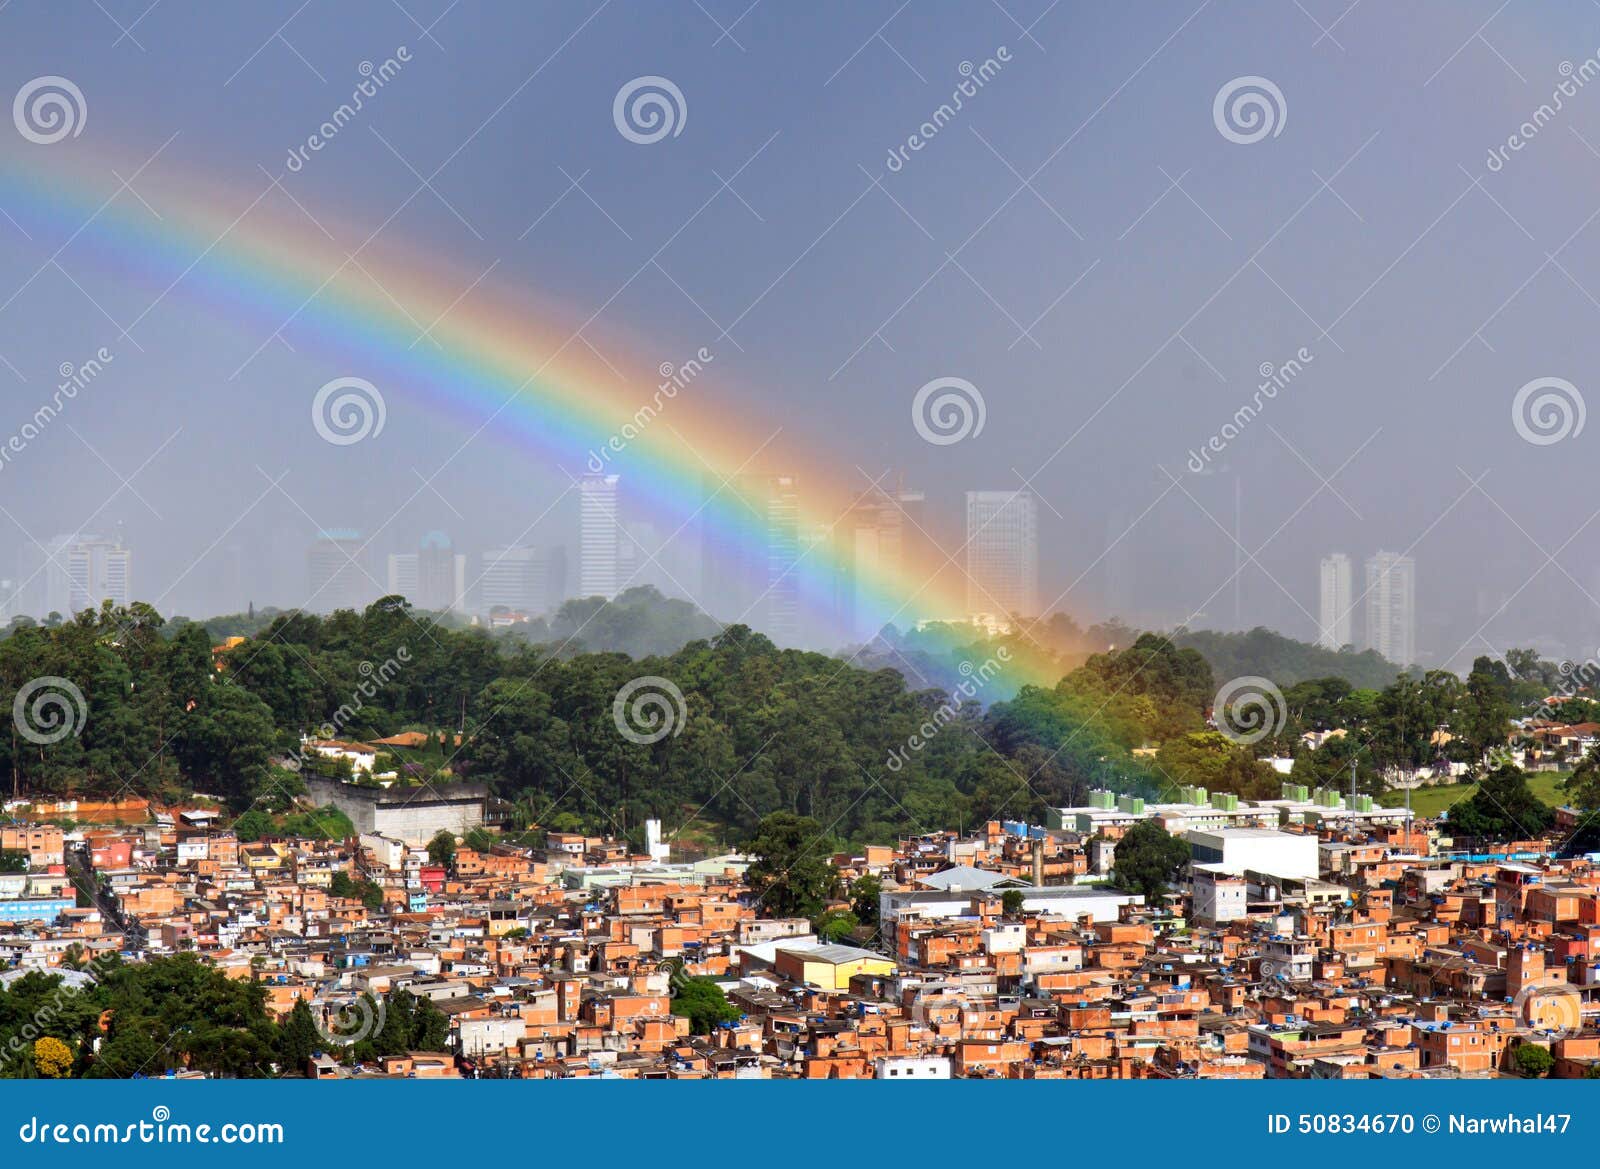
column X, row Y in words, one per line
column 1082, row 242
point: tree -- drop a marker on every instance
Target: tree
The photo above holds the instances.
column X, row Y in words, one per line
column 478, row 840
column 298, row 1037
column 1011, row 902
column 836, row 925
column 1503, row 808
column 51, row 1057
column 701, row 1001
column 13, row 860
column 864, row 891
column 791, row 876
column 342, row 885
column 442, row 848
column 1149, row 860
column 1533, row 1061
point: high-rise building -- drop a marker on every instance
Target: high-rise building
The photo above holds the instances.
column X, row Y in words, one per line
column 441, row 574
column 1002, row 554
column 600, row 537
column 1334, row 602
column 402, row 575
column 77, row 572
column 531, row 581
column 1392, row 607
column 888, row 554
column 784, row 564
column 336, row 575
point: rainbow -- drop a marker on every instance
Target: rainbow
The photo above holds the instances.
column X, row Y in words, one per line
column 254, row 259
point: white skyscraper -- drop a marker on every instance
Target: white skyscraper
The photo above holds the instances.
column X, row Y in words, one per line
column 81, row 571
column 1392, row 607
column 1002, row 554
column 1333, row 616
column 599, row 537
column 336, row 577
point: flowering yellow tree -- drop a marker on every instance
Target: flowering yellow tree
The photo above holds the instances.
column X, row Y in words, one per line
column 52, row 1057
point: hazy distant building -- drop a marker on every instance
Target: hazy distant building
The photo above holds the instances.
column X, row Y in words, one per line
column 336, row 575
column 531, row 581
column 1392, row 607
column 1002, row 554
column 599, row 537
column 1334, row 602
column 784, row 566
column 887, row 551
column 433, row 578
column 77, row 572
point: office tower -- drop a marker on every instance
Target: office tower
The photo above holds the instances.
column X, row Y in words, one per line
column 599, row 537
column 784, row 564
column 336, row 575
column 402, row 576
column 10, row 599
column 1392, row 607
column 530, row 581
column 77, row 572
column 441, row 574
column 1334, row 602
column 883, row 541
column 1002, row 554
